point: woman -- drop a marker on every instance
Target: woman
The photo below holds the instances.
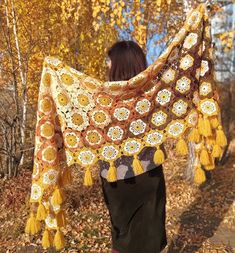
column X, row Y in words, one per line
column 136, row 204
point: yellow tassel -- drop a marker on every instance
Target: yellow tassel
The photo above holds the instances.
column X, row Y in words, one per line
column 206, row 127
column 210, row 140
column 57, row 197
column 204, row 157
column 33, row 226
column 47, row 239
column 221, row 139
column 217, row 151
column 159, row 156
column 214, row 122
column 88, row 181
column 60, row 218
column 199, row 176
column 59, row 241
column 112, row 173
column 67, row 176
column 194, row 135
column 181, row 147
column 41, row 212
column 137, row 166
column 210, row 166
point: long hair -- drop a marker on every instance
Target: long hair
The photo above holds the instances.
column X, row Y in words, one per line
column 127, row 60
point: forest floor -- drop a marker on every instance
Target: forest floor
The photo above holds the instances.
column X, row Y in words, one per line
column 199, row 219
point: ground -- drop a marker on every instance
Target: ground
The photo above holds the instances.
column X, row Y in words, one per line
column 199, row 219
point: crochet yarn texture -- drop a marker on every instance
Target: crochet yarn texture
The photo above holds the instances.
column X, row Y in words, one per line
column 82, row 120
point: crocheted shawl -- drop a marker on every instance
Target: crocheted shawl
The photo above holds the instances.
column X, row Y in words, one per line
column 82, row 120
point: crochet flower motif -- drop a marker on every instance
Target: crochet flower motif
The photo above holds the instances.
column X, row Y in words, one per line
column 143, row 106
column 104, row 100
column 51, row 222
column 168, row 76
column 186, row 62
column 84, row 100
column 205, row 88
column 204, row 67
column 137, row 127
column 115, row 133
column 132, row 146
column 86, row 157
column 62, row 99
column 36, row 192
column 190, row 40
column 163, row 97
column 110, row 152
column 46, row 79
column 121, row 113
column 179, row 107
column 194, row 19
column 93, row 137
column 176, row 128
column 71, row 139
column 208, row 107
column 154, row 138
column 50, row 177
column 67, row 79
column 183, row 84
column 77, row 119
column 49, row 154
column 100, row 118
column 47, row 130
column 45, row 105
column 159, row 118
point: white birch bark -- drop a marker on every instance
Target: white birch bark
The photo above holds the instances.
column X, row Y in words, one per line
column 23, row 80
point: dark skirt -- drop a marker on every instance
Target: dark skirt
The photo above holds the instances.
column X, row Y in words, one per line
column 137, row 209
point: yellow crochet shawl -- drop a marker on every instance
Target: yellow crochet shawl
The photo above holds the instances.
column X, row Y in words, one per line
column 82, row 120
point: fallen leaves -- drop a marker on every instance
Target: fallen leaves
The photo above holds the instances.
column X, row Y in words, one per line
column 199, row 219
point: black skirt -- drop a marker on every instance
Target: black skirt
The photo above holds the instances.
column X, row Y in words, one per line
column 137, row 209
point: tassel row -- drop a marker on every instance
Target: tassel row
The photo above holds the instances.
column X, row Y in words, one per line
column 221, row 139
column 88, row 181
column 204, row 126
column 204, row 157
column 33, row 226
column 48, row 241
column 112, row 173
column 199, row 176
column 181, row 147
column 159, row 156
column 137, row 166
column 41, row 212
column 58, row 197
column 194, row 135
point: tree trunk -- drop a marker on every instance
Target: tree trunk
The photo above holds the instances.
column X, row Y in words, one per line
column 23, row 82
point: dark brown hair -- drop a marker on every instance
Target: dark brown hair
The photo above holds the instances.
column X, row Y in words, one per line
column 127, row 60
